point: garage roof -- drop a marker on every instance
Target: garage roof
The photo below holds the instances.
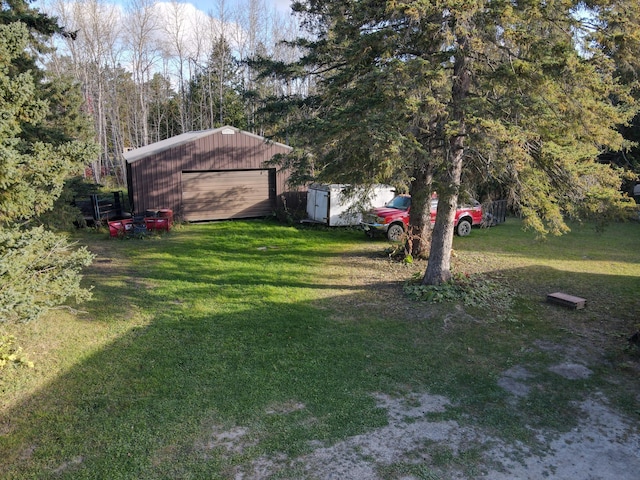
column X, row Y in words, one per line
column 138, row 153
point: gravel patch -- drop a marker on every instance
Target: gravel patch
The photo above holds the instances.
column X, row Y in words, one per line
column 512, row 380
column 571, row 371
column 603, row 446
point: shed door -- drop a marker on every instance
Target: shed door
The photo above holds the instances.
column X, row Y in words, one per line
column 318, row 205
column 226, row 194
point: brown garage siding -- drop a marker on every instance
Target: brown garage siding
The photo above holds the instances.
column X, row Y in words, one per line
column 156, row 179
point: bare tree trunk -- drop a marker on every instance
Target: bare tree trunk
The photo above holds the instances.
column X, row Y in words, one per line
column 138, row 42
column 141, row 27
column 439, row 266
column 94, row 53
column 175, row 44
column 252, row 17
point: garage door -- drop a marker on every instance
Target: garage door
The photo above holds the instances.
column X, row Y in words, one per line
column 228, row 194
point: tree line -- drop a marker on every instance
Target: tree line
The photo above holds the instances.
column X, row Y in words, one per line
column 150, row 70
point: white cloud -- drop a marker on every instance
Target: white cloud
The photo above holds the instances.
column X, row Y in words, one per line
column 173, row 37
column 281, row 6
column 186, row 29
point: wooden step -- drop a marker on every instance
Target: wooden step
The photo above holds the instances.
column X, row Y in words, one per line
column 566, row 300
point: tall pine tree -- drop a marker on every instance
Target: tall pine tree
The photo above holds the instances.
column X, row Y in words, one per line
column 421, row 90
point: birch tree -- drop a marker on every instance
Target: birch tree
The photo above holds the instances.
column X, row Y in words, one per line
column 178, row 53
column 141, row 32
column 96, row 49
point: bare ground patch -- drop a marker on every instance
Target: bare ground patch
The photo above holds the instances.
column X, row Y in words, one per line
column 604, row 443
column 604, row 446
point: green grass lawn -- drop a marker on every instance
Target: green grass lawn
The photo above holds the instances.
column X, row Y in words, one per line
column 282, row 335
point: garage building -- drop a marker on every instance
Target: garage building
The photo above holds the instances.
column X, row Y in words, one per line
column 207, row 175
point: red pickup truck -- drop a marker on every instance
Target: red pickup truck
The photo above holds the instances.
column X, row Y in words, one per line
column 393, row 218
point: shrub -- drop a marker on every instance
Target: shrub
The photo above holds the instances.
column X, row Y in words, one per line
column 38, row 270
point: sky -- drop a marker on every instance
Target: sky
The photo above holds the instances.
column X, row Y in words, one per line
column 194, row 14
column 282, row 6
column 205, row 5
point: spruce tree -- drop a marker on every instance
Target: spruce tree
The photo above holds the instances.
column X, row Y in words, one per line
column 38, row 269
column 522, row 91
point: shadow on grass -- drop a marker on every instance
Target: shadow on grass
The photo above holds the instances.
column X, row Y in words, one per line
column 217, row 351
column 237, row 345
column 153, row 403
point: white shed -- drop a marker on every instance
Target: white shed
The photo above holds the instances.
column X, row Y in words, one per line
column 339, row 205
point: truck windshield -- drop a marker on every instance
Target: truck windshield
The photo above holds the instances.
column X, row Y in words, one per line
column 401, row 203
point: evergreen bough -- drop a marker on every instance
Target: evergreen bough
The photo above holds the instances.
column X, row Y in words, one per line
column 38, row 268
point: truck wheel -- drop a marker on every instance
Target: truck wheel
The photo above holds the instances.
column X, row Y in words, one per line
column 464, row 228
column 395, row 232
